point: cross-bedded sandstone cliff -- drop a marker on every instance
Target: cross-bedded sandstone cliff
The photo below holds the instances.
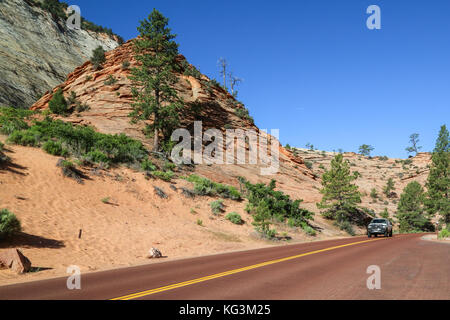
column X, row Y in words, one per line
column 37, row 51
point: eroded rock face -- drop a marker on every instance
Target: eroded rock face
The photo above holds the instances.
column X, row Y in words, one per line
column 36, row 53
column 14, row 260
column 110, row 103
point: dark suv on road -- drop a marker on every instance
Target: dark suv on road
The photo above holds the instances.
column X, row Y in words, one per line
column 379, row 226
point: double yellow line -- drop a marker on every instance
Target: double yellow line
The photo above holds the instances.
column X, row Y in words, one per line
column 227, row 273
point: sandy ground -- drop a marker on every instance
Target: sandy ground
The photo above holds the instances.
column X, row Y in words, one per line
column 53, row 209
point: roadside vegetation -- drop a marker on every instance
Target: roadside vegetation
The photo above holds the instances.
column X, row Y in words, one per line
column 268, row 205
column 206, row 187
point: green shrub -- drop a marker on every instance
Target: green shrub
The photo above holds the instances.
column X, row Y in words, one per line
column 55, row 148
column 374, row 194
column 97, row 157
column 234, row 218
column 309, row 164
column 166, row 176
column 9, row 224
column 217, row 206
column 24, row 138
column 67, row 164
column 206, row 187
column 110, row 81
column 277, row 202
column 308, row 229
column 243, row 114
column 190, row 70
column 169, row 166
column 125, row 64
column 57, row 9
column 106, row 200
column 445, row 233
column 12, row 119
column 58, row 104
column 147, row 165
column 346, row 226
column 79, row 140
column 279, row 218
column 98, row 57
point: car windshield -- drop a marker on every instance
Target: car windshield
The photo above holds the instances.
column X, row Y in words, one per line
column 378, row 221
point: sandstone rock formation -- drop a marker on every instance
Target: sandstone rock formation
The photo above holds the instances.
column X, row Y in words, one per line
column 110, row 106
column 14, row 260
column 36, row 52
column 374, row 174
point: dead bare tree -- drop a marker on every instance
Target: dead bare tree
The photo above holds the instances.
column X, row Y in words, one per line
column 234, row 81
column 223, row 71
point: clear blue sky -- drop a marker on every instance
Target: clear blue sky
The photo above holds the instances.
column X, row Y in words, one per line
column 312, row 68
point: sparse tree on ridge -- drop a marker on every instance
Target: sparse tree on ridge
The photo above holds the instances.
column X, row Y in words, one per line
column 223, row 64
column 154, row 98
column 366, row 149
column 438, row 183
column 234, row 81
column 414, row 140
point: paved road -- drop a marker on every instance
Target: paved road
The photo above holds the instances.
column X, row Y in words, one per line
column 411, row 268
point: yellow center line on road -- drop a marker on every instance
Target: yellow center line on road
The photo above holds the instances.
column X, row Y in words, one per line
column 227, row 273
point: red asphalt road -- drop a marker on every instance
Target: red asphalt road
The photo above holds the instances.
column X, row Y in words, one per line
column 411, row 268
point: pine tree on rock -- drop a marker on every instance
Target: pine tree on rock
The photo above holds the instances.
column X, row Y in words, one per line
column 154, row 97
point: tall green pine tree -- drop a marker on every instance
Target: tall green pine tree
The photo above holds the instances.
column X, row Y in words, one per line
column 410, row 210
column 340, row 196
column 438, row 183
column 152, row 81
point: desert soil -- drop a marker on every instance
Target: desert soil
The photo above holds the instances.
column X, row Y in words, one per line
column 119, row 233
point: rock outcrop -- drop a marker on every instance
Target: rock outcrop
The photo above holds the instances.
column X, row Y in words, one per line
column 107, row 93
column 37, row 52
column 14, row 260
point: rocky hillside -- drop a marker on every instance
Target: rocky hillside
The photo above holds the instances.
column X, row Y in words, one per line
column 37, row 51
column 106, row 95
column 374, row 174
column 122, row 212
